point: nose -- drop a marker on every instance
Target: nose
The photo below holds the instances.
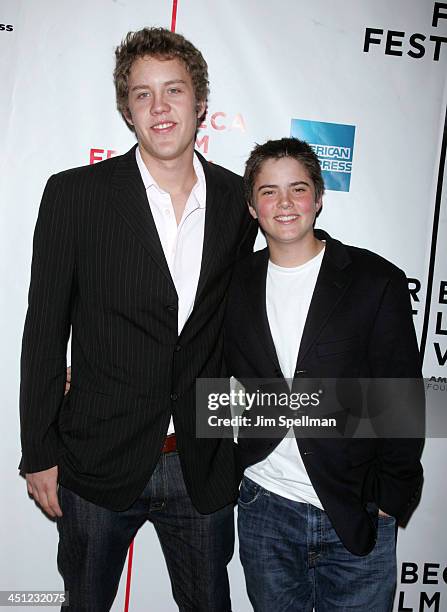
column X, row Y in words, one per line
column 159, row 104
column 284, row 200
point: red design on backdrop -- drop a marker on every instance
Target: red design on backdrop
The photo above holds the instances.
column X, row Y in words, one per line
column 174, row 15
column 129, row 577
column 97, row 155
column 218, row 122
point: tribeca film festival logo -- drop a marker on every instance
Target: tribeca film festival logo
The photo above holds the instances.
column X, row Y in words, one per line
column 439, row 334
column 334, row 145
column 217, row 122
column 396, row 42
column 427, row 577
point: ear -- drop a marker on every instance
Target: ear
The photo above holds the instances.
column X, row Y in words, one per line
column 318, row 205
column 200, row 108
column 127, row 116
column 252, row 211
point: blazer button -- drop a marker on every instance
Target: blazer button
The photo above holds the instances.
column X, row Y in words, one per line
column 177, row 348
column 300, row 372
column 171, row 307
column 174, row 397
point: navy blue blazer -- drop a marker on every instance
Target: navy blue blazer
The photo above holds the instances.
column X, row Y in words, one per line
column 359, row 324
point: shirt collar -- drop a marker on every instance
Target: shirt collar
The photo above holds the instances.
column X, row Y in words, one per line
column 199, row 188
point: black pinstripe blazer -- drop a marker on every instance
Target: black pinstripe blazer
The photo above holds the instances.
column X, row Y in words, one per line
column 99, row 269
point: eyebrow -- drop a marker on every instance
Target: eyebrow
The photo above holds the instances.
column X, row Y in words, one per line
column 167, row 83
column 290, row 185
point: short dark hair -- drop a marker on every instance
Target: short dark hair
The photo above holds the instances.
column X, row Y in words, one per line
column 162, row 44
column 277, row 149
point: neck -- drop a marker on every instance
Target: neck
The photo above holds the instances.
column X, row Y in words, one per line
column 175, row 176
column 293, row 255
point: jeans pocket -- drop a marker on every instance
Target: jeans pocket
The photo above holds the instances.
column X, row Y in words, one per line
column 386, row 520
column 249, row 492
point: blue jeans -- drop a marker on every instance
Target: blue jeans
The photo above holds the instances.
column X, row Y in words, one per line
column 93, row 544
column 294, row 561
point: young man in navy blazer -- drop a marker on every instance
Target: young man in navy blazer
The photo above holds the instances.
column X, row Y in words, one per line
column 317, row 517
column 134, row 256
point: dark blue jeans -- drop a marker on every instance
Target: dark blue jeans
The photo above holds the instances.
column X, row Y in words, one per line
column 294, row 561
column 93, row 543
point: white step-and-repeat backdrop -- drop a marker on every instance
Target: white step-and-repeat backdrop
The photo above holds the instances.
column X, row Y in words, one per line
column 365, row 82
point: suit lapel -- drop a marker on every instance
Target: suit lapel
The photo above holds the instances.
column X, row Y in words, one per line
column 130, row 201
column 255, row 288
column 215, row 236
column 332, row 282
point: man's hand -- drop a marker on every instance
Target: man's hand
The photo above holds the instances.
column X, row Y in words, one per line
column 43, row 488
column 68, row 381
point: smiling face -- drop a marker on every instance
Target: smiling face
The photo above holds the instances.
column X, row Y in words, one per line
column 162, row 108
column 285, row 204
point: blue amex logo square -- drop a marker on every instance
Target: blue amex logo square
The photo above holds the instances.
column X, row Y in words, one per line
column 334, row 145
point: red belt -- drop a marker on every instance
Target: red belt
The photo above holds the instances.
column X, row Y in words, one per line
column 170, row 445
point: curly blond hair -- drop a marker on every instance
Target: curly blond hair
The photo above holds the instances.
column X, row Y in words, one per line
column 159, row 43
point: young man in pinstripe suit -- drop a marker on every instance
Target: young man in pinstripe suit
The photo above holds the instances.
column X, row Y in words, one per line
column 134, row 256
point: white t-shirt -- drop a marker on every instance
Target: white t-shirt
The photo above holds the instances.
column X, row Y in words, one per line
column 288, row 295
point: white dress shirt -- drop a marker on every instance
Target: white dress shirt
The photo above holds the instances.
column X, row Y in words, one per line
column 183, row 243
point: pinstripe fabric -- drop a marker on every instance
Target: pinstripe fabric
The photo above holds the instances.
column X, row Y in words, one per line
column 98, row 267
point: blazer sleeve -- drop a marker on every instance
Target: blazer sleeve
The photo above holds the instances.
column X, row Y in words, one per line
column 47, row 329
column 394, row 353
column 249, row 226
column 250, row 231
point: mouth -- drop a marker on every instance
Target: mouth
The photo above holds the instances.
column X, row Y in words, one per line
column 164, row 128
column 286, row 218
